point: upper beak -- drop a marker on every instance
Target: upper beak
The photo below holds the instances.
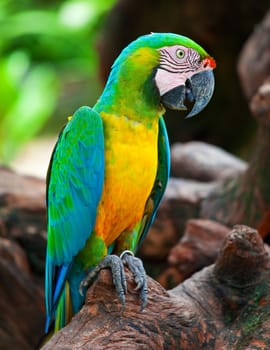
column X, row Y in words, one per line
column 198, row 90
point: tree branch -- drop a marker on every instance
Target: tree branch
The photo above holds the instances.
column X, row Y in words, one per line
column 224, row 306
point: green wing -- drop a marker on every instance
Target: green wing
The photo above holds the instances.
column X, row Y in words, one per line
column 74, row 187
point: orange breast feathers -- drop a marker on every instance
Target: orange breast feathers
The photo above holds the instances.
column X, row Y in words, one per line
column 131, row 157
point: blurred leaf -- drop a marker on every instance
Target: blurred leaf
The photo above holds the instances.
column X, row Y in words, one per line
column 34, row 105
column 45, row 45
column 77, row 14
column 17, row 64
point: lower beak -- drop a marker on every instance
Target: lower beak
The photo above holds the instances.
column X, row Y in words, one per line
column 197, row 90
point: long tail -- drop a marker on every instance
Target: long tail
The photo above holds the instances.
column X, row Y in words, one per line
column 68, row 302
column 59, row 318
column 63, row 311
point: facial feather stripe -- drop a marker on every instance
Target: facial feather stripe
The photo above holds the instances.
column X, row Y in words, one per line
column 176, row 65
column 189, row 63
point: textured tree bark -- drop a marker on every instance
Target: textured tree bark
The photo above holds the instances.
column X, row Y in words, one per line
column 199, row 247
column 224, row 306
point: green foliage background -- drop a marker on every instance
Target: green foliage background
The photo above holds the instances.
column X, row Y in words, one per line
column 48, row 65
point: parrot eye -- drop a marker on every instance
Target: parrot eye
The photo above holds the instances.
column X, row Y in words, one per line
column 180, row 53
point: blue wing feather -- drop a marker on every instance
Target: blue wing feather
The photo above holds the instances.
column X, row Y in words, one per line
column 74, row 187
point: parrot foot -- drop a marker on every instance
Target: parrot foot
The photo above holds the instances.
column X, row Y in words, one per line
column 135, row 265
column 116, row 264
column 119, row 280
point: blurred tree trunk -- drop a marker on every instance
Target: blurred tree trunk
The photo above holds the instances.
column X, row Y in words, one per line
column 22, row 256
column 246, row 198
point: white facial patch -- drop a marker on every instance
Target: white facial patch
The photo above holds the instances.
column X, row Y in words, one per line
column 166, row 81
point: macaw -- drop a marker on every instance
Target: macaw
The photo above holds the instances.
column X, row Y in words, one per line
column 110, row 166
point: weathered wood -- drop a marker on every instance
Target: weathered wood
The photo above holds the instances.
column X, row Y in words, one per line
column 198, row 248
column 23, row 214
column 22, row 256
column 224, row 306
column 21, row 300
column 203, row 162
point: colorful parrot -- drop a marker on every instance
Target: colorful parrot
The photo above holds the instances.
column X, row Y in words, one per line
column 110, row 166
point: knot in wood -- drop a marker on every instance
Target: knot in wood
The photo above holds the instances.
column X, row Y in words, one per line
column 243, row 258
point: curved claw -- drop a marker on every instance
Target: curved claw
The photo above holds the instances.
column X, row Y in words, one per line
column 118, row 275
column 202, row 87
column 135, row 265
column 116, row 264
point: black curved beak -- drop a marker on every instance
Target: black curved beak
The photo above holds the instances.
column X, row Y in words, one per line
column 197, row 90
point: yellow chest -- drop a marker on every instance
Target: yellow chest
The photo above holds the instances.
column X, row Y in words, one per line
column 130, row 169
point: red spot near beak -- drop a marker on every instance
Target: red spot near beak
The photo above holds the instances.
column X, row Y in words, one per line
column 209, row 62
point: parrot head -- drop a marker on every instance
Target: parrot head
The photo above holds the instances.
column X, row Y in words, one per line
column 165, row 68
column 185, row 76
